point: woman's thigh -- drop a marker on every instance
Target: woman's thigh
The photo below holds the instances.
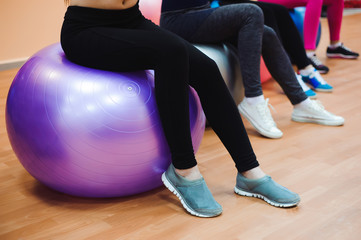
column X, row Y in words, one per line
column 120, row 49
column 227, row 21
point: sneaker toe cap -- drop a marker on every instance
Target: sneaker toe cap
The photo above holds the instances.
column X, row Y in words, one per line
column 292, row 198
column 310, row 93
column 212, row 212
column 272, row 133
column 339, row 120
column 324, row 87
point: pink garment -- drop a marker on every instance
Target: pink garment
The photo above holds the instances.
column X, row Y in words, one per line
column 312, row 17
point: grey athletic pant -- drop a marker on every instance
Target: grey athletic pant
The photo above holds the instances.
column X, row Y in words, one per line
column 242, row 26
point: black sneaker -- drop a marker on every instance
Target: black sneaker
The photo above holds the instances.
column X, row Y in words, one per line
column 341, row 52
column 318, row 65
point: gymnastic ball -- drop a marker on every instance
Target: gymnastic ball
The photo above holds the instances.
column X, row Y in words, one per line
column 151, row 9
column 228, row 64
column 89, row 132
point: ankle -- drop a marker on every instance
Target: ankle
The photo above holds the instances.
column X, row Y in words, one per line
column 307, row 70
column 190, row 174
column 335, row 44
column 254, row 100
column 254, row 173
column 304, row 104
column 310, row 53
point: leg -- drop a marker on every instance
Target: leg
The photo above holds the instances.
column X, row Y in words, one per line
column 311, row 21
column 334, row 17
column 278, row 18
column 268, row 13
column 147, row 47
column 290, row 36
column 220, row 109
column 226, row 122
column 283, row 73
column 281, row 70
column 244, row 25
column 243, row 22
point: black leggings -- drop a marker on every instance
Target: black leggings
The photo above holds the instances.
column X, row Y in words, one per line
column 278, row 18
column 123, row 40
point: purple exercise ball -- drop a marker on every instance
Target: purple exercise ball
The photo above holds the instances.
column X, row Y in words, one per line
column 88, row 132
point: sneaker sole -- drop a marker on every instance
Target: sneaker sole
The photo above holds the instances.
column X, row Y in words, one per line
column 322, row 122
column 319, row 89
column 171, row 188
column 260, row 196
column 260, row 131
column 312, row 97
column 338, row 55
column 323, row 90
column 322, row 71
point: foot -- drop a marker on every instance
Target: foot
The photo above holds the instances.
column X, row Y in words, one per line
column 341, row 52
column 260, row 118
column 267, row 189
column 318, row 65
column 194, row 195
column 306, row 89
column 317, row 82
column 316, row 113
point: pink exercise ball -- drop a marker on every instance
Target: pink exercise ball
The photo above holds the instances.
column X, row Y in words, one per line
column 151, row 9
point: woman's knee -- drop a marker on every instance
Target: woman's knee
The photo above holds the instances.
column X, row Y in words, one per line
column 252, row 12
column 269, row 35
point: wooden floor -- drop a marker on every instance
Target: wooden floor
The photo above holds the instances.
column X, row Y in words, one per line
column 322, row 164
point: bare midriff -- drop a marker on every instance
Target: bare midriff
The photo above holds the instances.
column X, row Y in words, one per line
column 104, row 4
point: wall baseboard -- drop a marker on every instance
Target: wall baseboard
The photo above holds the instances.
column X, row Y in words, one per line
column 16, row 63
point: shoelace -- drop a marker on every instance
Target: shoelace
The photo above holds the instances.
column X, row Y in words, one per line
column 346, row 48
column 315, row 60
column 265, row 113
column 317, row 105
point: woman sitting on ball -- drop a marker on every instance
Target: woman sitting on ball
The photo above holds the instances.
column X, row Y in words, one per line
column 113, row 35
column 198, row 23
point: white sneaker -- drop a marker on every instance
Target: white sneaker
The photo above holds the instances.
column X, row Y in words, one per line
column 260, row 117
column 316, row 113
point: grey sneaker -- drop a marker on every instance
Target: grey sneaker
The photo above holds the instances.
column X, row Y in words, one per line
column 268, row 190
column 194, row 195
column 316, row 113
column 260, row 117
